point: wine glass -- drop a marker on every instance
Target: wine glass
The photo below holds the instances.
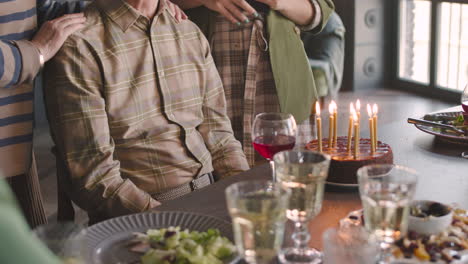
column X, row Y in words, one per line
column 272, row 133
column 66, row 240
column 258, row 212
column 304, row 173
column 464, row 100
column 464, row 104
column 386, row 193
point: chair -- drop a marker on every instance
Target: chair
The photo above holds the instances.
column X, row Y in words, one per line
column 326, row 55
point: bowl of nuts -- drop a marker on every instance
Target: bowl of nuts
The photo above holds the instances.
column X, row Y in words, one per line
column 429, row 217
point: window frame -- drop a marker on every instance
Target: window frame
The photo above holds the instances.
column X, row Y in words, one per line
column 432, row 89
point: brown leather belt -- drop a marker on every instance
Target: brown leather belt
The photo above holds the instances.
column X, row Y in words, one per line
column 197, row 183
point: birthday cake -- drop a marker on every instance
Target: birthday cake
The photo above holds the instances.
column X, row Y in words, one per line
column 344, row 164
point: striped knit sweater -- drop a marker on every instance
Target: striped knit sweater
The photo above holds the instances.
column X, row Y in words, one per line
column 19, row 64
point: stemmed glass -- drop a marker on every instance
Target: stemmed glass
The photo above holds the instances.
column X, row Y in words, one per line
column 464, row 100
column 464, row 104
column 304, row 173
column 386, row 192
column 258, row 212
column 272, row 133
column 66, row 240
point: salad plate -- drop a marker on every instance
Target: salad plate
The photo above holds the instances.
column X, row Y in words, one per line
column 108, row 240
column 449, row 118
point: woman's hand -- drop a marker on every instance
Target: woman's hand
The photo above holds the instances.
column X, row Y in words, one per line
column 277, row 5
column 177, row 12
column 235, row 11
column 53, row 33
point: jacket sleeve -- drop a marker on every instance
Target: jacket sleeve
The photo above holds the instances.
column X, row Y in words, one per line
column 227, row 155
column 80, row 129
column 48, row 9
column 19, row 62
column 326, row 9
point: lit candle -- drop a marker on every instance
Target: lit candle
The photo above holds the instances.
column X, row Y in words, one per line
column 356, row 135
column 319, row 126
column 330, row 126
column 375, row 110
column 371, row 129
column 335, row 125
column 358, row 109
column 350, row 125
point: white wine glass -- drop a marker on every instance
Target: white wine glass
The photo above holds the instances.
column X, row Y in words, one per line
column 272, row 133
column 386, row 192
column 304, row 174
column 258, row 213
column 66, row 240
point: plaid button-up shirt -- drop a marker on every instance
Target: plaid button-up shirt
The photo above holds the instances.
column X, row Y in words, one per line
column 136, row 108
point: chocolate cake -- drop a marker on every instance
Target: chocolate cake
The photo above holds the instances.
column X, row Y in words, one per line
column 344, row 165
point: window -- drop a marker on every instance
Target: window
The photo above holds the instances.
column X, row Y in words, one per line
column 433, row 44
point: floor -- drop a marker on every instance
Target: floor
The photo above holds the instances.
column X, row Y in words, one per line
column 394, row 105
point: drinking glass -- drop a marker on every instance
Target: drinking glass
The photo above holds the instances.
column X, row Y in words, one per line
column 350, row 245
column 464, row 99
column 258, row 212
column 386, row 192
column 303, row 173
column 66, row 240
column 272, row 133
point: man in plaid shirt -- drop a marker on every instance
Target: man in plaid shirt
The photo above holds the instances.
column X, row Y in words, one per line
column 137, row 110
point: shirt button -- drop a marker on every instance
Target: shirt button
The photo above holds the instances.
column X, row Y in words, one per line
column 236, row 45
column 297, row 29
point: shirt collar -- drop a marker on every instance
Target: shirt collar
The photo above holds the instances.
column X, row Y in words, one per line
column 123, row 14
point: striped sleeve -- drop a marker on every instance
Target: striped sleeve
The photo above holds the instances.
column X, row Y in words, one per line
column 19, row 62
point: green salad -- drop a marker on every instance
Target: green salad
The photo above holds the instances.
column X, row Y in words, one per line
column 173, row 245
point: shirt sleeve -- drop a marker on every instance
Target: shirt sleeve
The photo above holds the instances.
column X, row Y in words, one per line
column 227, row 155
column 79, row 126
column 19, row 63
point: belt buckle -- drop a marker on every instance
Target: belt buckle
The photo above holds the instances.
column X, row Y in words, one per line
column 193, row 185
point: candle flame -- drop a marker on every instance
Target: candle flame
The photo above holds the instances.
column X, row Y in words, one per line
column 358, row 105
column 355, row 116
column 375, row 109
column 351, row 108
column 331, row 108
column 317, row 108
column 369, row 110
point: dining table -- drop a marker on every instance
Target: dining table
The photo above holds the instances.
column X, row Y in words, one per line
column 443, row 177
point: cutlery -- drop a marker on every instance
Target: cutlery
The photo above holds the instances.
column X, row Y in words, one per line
column 434, row 124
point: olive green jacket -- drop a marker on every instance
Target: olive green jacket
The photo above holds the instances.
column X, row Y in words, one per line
column 291, row 70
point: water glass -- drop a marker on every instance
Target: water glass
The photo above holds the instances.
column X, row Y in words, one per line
column 304, row 174
column 66, row 240
column 351, row 245
column 386, row 193
column 258, row 212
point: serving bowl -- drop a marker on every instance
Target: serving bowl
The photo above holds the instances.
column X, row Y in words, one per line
column 429, row 217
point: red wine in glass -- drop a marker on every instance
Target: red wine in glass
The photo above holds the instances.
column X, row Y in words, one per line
column 465, row 106
column 268, row 146
column 464, row 99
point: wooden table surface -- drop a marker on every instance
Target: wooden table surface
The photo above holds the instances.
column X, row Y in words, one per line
column 443, row 177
